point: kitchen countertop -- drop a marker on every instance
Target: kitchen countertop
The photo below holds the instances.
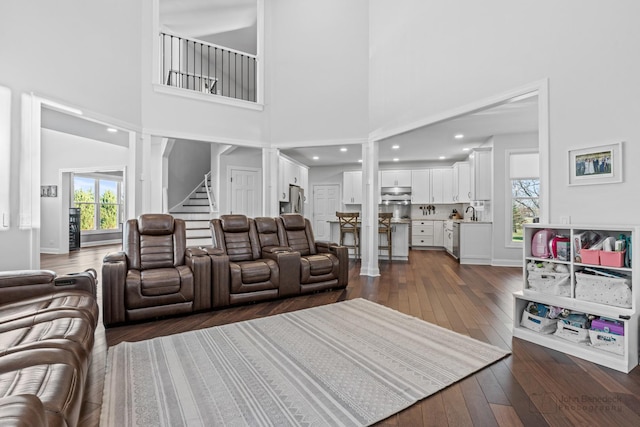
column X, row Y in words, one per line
column 393, row 221
column 468, row 221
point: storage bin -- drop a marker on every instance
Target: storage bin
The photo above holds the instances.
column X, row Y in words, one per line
column 537, row 323
column 572, row 333
column 612, row 259
column 609, row 326
column 590, row 256
column 605, row 290
column 549, row 282
column 607, row 342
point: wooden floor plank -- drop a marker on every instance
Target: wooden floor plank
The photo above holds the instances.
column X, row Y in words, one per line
column 531, row 387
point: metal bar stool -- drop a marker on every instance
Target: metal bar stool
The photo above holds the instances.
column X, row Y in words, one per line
column 384, row 228
column 349, row 225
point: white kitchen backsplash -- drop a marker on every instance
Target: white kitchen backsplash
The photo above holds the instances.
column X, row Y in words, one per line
column 438, row 212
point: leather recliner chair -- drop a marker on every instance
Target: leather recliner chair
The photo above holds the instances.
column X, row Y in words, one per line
column 323, row 265
column 239, row 273
column 155, row 274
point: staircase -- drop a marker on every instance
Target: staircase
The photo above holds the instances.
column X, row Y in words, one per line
column 195, row 212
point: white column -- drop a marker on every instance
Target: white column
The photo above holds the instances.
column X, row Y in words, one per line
column 145, row 174
column 369, row 227
column 270, row 205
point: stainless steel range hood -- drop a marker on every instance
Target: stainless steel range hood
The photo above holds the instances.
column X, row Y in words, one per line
column 396, row 195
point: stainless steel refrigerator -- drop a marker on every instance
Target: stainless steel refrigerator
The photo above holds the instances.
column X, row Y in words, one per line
column 296, row 201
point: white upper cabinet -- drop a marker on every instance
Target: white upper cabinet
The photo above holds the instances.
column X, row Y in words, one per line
column 352, row 187
column 442, row 185
column 395, row 178
column 421, row 186
column 481, row 171
column 462, row 182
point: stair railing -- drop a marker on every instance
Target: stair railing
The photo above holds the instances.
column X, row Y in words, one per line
column 210, row 196
column 207, row 68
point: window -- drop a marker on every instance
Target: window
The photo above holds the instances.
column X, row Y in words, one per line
column 100, row 201
column 525, row 192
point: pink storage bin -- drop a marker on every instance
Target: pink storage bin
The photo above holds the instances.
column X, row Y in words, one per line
column 590, row 256
column 612, row 259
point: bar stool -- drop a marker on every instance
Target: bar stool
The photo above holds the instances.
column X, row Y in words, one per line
column 349, row 225
column 384, row 228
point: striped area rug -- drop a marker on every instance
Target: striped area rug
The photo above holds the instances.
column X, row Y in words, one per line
column 351, row 363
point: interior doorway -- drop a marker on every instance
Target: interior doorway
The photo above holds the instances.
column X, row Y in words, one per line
column 326, row 202
column 245, row 191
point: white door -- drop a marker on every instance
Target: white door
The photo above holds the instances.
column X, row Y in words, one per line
column 326, row 202
column 245, row 193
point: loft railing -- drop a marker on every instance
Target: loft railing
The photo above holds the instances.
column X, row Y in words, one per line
column 204, row 67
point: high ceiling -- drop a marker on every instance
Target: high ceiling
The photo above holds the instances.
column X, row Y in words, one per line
column 230, row 23
column 437, row 142
column 75, row 125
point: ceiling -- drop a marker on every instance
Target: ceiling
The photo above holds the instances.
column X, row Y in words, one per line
column 230, row 23
column 437, row 142
column 76, row 125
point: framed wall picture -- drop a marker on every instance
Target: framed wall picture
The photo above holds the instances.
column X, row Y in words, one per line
column 48, row 191
column 596, row 165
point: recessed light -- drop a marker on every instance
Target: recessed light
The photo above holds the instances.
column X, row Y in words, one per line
column 343, row 149
column 359, row 160
column 459, row 136
column 466, row 149
column 315, row 157
column 442, row 157
column 395, row 159
column 112, row 130
column 395, row 147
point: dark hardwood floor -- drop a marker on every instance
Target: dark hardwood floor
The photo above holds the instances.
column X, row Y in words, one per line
column 534, row 386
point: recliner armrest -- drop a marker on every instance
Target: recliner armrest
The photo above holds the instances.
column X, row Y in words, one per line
column 210, row 250
column 85, row 281
column 199, row 262
column 114, row 275
column 276, row 249
column 324, row 246
column 19, row 284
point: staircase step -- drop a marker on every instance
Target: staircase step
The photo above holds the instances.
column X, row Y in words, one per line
column 199, row 241
column 192, row 216
column 192, row 209
column 198, row 232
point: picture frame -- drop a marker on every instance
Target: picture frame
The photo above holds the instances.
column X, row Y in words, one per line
column 48, row 191
column 600, row 164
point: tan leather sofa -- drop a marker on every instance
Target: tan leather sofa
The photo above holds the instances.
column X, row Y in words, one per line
column 47, row 326
column 155, row 274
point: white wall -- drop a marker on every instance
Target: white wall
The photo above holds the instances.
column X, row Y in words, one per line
column 503, row 255
column 189, row 161
column 64, row 151
column 317, row 70
column 67, row 51
column 451, row 54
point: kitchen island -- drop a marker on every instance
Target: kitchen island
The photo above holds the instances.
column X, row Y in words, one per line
column 399, row 239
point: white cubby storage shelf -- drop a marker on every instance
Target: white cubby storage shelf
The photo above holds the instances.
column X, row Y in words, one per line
column 629, row 316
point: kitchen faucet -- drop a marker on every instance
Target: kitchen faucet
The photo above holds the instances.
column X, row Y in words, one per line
column 473, row 213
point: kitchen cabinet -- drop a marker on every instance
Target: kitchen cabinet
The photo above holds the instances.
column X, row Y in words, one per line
column 427, row 233
column 618, row 352
column 352, row 187
column 438, row 233
column 442, row 185
column 395, row 178
column 475, row 243
column 462, row 182
column 290, row 173
column 421, row 233
column 481, row 173
column 421, row 186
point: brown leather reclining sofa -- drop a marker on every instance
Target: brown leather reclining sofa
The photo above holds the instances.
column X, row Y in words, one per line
column 47, row 326
column 250, row 260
